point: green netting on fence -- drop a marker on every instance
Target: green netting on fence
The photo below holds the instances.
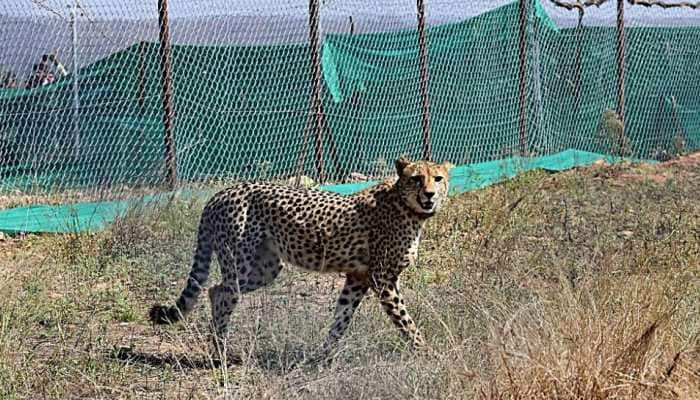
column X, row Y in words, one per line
column 578, row 84
column 223, row 125
column 242, row 112
column 94, row 216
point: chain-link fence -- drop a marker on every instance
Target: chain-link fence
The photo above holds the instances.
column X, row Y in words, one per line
column 113, row 96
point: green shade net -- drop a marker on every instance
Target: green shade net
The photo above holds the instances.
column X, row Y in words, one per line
column 243, row 112
column 94, row 216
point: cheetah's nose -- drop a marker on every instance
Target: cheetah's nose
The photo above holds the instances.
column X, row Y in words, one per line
column 429, row 195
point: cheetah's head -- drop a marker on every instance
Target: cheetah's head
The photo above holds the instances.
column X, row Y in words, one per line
column 423, row 185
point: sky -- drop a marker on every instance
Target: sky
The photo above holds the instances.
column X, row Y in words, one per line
column 437, row 9
column 29, row 28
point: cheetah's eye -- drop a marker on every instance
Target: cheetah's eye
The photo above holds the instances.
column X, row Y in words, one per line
column 438, row 178
column 417, row 179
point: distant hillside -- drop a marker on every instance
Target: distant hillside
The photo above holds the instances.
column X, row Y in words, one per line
column 30, row 29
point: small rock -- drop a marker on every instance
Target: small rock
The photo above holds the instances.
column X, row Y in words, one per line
column 357, row 176
column 626, row 234
column 304, row 180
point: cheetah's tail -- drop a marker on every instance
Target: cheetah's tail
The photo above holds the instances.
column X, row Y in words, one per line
column 164, row 314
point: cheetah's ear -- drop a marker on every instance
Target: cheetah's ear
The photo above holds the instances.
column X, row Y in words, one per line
column 447, row 165
column 401, row 163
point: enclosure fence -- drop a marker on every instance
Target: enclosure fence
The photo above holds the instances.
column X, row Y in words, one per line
column 112, row 96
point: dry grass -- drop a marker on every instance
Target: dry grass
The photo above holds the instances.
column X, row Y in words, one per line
column 580, row 285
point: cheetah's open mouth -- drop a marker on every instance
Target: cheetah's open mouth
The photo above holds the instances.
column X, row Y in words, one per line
column 426, row 205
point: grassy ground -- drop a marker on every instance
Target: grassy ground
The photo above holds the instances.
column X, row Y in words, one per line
column 579, row 285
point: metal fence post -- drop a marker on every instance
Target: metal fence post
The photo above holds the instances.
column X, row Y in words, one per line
column 167, row 93
column 316, row 105
column 522, row 88
column 621, row 72
column 424, row 84
column 76, row 81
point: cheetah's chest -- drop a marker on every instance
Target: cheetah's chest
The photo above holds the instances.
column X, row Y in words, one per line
column 398, row 250
column 411, row 255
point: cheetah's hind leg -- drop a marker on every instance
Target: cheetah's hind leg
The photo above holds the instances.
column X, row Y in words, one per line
column 243, row 271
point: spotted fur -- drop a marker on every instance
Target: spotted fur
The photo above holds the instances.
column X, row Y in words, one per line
column 371, row 236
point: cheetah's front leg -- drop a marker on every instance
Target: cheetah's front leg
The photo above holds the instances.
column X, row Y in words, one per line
column 356, row 286
column 392, row 301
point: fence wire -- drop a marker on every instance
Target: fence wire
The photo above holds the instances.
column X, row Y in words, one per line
column 333, row 90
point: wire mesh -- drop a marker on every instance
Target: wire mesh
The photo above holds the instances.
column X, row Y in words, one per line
column 81, row 98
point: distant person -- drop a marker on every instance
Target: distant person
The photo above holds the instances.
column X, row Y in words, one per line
column 59, row 66
column 38, row 77
column 43, row 71
column 8, row 78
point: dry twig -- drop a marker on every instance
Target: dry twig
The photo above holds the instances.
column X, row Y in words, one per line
column 663, row 4
column 578, row 4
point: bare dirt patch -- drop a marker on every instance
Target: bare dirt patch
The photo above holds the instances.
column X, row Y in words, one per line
column 661, row 172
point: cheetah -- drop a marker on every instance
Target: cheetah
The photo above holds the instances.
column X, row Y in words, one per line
column 371, row 237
